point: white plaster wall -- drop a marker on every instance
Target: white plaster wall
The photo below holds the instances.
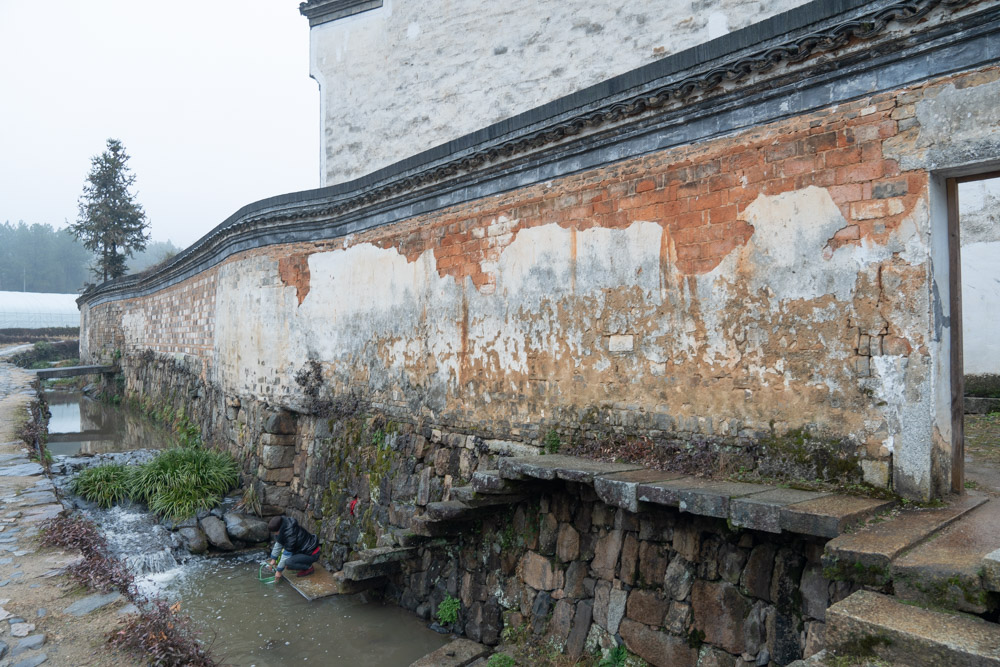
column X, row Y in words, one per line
column 979, row 217
column 411, row 75
column 953, row 127
column 587, row 317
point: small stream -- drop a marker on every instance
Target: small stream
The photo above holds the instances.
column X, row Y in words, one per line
column 81, row 425
column 245, row 621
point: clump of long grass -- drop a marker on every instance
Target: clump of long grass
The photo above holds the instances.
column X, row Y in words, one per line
column 105, row 484
column 176, row 484
column 179, row 482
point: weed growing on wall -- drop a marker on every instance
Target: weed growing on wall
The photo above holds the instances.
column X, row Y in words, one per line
column 619, row 656
column 501, row 660
column 447, row 611
column 359, row 459
column 552, row 442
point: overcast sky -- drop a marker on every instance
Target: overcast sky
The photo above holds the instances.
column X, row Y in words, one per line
column 212, row 99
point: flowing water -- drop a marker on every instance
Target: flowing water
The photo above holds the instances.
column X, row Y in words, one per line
column 247, row 622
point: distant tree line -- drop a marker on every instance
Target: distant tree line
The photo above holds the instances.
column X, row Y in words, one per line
column 40, row 258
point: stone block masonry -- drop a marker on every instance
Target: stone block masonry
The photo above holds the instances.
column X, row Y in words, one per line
column 568, row 572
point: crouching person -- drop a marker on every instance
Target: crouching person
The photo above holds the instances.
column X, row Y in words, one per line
column 294, row 547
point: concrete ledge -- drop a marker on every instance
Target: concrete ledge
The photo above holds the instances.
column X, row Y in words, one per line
column 553, row 466
column 622, row 489
column 360, row 570
column 73, row 371
column 491, row 482
column 705, row 497
column 762, row 511
column 866, row 555
column 831, row 515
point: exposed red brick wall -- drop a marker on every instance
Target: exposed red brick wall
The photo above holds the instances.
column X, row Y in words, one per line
column 696, row 192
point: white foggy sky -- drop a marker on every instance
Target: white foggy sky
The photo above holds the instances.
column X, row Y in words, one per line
column 212, row 99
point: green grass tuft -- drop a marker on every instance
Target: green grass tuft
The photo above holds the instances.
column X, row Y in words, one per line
column 104, row 485
column 447, row 611
column 176, row 484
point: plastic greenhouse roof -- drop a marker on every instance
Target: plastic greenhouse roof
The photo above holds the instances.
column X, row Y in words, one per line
column 37, row 310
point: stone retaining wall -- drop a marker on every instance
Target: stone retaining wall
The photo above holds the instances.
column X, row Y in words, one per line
column 569, row 571
column 560, row 569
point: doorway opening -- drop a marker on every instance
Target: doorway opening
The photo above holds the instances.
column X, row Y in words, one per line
column 974, row 277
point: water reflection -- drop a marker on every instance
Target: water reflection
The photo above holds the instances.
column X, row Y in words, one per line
column 267, row 625
column 81, row 425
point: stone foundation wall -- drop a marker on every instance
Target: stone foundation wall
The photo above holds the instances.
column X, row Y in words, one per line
column 568, row 572
column 561, row 569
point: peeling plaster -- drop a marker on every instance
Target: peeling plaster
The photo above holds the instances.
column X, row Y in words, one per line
column 134, row 327
column 956, row 125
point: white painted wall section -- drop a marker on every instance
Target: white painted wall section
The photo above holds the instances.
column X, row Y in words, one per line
column 979, row 217
column 409, row 76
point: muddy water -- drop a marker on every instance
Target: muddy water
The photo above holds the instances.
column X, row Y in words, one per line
column 271, row 624
column 246, row 622
column 81, row 425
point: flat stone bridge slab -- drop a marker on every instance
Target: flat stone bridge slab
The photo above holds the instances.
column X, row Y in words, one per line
column 73, row 371
column 320, row 584
column 754, row 506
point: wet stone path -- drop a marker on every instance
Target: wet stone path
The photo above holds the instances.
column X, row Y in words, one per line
column 37, row 608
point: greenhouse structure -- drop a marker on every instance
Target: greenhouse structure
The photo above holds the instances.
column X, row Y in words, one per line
column 36, row 310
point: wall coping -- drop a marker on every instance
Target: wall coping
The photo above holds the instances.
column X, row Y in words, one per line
column 324, row 11
column 681, row 99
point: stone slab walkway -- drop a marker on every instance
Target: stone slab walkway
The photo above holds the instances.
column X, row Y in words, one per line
column 320, row 584
column 753, row 506
column 36, row 624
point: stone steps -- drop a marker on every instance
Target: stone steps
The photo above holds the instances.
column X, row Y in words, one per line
column 375, row 563
column 866, row 555
column 370, row 569
column 491, row 482
column 447, row 517
column 868, row 625
column 457, row 653
column 949, row 569
column 425, row 527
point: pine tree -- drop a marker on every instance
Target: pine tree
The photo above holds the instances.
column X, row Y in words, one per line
column 111, row 223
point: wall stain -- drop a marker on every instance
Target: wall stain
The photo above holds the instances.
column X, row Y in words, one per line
column 294, row 272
